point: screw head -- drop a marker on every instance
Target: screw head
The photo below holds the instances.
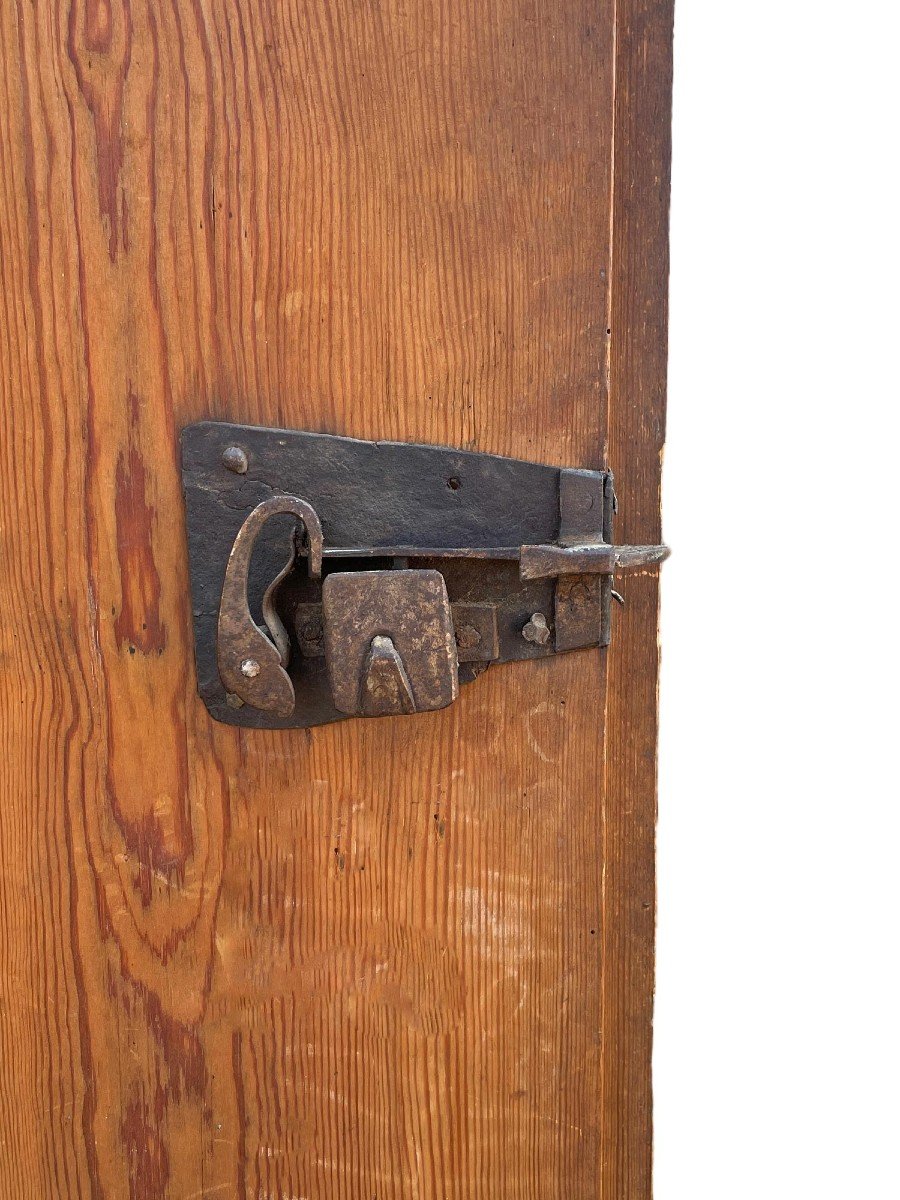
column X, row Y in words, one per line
column 235, row 459
column 250, row 668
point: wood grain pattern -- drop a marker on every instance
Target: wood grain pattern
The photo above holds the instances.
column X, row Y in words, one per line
column 364, row 961
column 640, row 272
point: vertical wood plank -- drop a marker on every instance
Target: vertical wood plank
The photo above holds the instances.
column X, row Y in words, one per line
column 639, row 324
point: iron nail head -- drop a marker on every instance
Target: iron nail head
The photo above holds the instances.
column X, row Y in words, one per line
column 537, row 630
column 235, row 459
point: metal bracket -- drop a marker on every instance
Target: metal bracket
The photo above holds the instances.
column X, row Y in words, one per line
column 423, row 565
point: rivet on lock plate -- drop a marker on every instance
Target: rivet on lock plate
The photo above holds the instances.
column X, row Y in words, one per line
column 333, row 577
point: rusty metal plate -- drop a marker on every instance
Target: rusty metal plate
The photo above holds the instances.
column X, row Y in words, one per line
column 252, row 663
column 382, row 505
column 475, row 626
column 577, row 611
column 388, row 637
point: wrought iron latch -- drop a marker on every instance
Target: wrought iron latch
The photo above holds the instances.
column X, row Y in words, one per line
column 333, row 577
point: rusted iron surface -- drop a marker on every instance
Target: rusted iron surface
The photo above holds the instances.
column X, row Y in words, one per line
column 577, row 614
column 464, row 513
column 635, row 558
column 580, row 602
column 409, row 610
column 235, row 459
column 511, row 541
column 309, row 628
column 610, row 508
column 536, row 629
column 475, row 626
column 545, row 562
column 385, row 689
column 251, row 663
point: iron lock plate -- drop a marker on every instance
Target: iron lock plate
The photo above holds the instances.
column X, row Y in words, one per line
column 523, row 551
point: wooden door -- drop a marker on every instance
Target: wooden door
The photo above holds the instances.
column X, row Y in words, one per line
column 405, row 958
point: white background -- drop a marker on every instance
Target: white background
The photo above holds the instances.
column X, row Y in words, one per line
column 776, row 1060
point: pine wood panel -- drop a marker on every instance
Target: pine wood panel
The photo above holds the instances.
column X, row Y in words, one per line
column 363, row 961
column 636, row 433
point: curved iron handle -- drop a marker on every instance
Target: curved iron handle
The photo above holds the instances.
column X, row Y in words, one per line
column 251, row 663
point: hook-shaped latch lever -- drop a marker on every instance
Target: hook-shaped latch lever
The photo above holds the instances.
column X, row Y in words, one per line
column 251, row 663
